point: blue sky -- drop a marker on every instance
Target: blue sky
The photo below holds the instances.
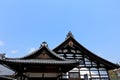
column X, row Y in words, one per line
column 25, row 24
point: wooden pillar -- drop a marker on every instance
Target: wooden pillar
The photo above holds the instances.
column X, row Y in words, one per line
column 61, row 73
column 20, row 77
column 42, row 76
column 60, row 76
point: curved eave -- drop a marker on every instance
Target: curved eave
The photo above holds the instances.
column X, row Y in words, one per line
column 33, row 61
column 18, row 65
column 109, row 65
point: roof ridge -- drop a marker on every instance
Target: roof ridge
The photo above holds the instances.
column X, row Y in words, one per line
column 69, row 35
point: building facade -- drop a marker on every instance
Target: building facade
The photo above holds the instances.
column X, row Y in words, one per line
column 91, row 66
column 68, row 61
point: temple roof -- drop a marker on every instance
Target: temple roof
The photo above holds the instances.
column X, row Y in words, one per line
column 43, row 50
column 45, row 57
column 75, row 44
column 42, row 56
column 35, row 65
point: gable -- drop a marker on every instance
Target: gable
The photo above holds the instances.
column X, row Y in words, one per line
column 43, row 55
column 71, row 49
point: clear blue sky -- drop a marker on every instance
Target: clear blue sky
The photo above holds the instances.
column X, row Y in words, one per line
column 25, row 24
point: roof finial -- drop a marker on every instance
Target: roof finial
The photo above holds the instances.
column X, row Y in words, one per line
column 44, row 44
column 2, row 56
column 69, row 34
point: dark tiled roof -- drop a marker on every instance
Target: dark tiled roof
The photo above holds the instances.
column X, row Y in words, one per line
column 41, row 61
column 87, row 52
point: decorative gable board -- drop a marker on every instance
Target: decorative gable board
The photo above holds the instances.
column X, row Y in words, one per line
column 43, row 55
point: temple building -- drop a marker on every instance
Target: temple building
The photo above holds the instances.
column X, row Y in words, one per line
column 68, row 61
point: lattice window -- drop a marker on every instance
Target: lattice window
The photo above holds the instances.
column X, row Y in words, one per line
column 94, row 73
column 83, row 72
